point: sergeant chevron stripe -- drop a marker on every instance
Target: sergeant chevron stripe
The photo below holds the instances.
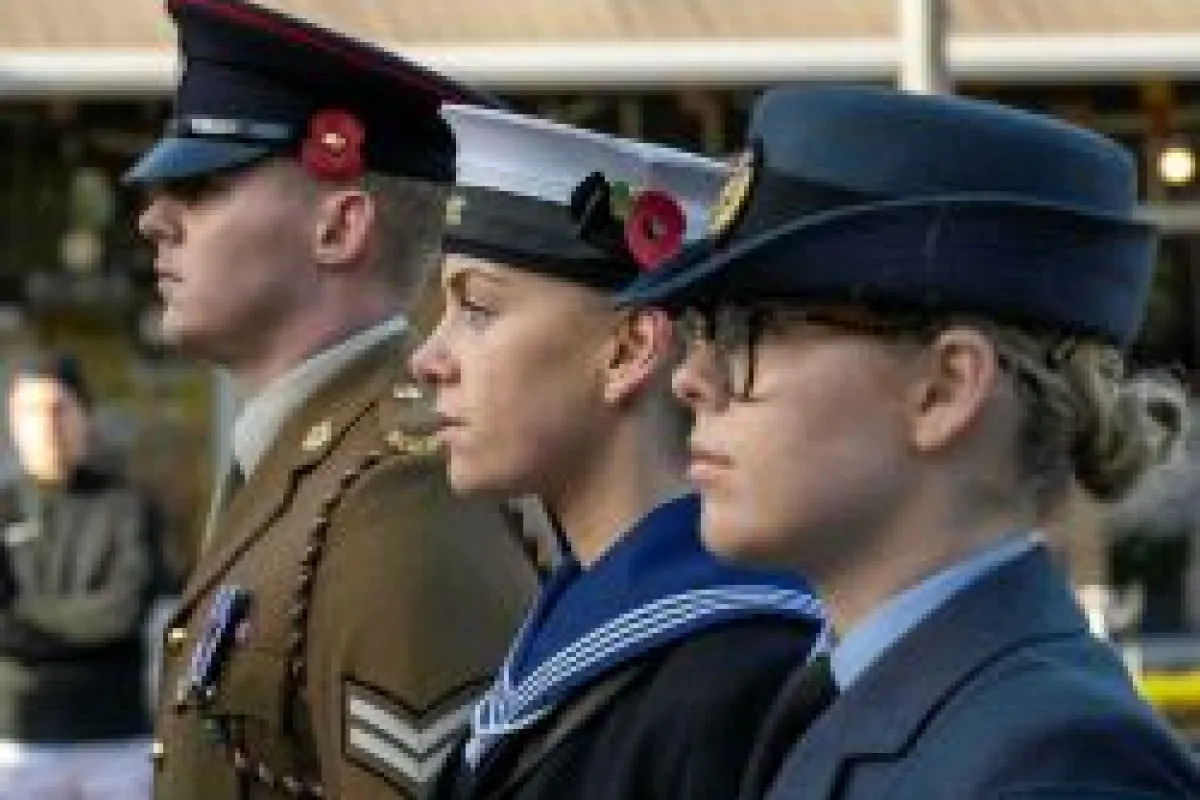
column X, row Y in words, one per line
column 402, row 745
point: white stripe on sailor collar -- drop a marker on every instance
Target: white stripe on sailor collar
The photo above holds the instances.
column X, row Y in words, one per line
column 509, row 706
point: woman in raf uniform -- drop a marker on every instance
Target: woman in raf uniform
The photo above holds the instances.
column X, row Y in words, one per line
column 906, row 345
column 644, row 668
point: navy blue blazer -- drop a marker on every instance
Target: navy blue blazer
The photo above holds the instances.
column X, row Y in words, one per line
column 1000, row 693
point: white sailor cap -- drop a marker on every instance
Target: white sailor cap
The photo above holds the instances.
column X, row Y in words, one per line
column 572, row 203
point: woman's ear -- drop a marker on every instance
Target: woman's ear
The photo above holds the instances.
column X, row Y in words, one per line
column 641, row 349
column 956, row 377
column 344, row 221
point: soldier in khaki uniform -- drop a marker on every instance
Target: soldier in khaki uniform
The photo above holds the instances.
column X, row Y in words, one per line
column 345, row 610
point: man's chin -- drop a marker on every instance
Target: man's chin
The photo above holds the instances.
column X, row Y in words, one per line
column 186, row 340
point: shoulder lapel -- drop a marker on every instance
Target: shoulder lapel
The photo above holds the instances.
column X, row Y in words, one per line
column 304, row 441
column 1020, row 603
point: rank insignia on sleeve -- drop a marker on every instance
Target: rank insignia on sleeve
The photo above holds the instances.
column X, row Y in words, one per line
column 404, row 745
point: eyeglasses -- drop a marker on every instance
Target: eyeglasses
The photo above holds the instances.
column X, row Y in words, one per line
column 731, row 333
column 734, row 332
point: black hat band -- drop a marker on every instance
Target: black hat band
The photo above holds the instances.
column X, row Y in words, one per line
column 528, row 233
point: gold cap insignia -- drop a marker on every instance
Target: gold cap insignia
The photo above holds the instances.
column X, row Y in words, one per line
column 734, row 195
column 317, row 437
column 454, row 210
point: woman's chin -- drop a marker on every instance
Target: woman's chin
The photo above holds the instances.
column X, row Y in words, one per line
column 730, row 539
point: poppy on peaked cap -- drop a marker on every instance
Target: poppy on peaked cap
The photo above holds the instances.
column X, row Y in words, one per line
column 571, row 203
column 934, row 203
column 258, row 82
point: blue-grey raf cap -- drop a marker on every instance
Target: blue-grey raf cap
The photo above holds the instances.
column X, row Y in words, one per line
column 934, row 203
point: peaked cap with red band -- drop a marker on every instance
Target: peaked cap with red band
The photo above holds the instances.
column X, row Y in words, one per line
column 257, row 82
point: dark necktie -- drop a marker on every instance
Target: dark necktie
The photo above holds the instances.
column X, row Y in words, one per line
column 804, row 696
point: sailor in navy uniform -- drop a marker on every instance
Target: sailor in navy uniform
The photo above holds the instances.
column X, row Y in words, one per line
column 646, row 665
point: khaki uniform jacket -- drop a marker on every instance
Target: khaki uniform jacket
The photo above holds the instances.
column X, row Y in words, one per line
column 379, row 608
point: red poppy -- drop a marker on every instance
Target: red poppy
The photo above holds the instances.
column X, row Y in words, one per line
column 654, row 229
column 332, row 150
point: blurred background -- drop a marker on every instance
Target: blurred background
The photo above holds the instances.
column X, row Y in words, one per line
column 84, row 87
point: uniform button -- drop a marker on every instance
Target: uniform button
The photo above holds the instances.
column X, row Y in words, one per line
column 176, row 637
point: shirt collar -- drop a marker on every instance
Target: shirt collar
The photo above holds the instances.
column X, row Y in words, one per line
column 263, row 415
column 863, row 645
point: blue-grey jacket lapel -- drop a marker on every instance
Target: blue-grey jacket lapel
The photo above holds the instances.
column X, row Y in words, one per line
column 1022, row 602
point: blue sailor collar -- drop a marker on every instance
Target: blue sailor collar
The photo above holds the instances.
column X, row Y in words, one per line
column 655, row 586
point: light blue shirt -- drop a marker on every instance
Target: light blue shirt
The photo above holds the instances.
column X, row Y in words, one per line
column 866, row 642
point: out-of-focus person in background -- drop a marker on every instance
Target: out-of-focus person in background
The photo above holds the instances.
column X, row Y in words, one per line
column 906, row 346
column 646, row 666
column 79, row 558
column 346, row 609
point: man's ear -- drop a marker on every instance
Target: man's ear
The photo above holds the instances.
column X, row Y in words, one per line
column 344, row 221
column 955, row 378
column 641, row 347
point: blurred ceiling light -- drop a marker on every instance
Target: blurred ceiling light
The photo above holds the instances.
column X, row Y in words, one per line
column 1177, row 163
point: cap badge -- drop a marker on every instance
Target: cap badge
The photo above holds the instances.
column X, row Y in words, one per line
column 734, row 196
column 643, row 226
column 332, row 151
